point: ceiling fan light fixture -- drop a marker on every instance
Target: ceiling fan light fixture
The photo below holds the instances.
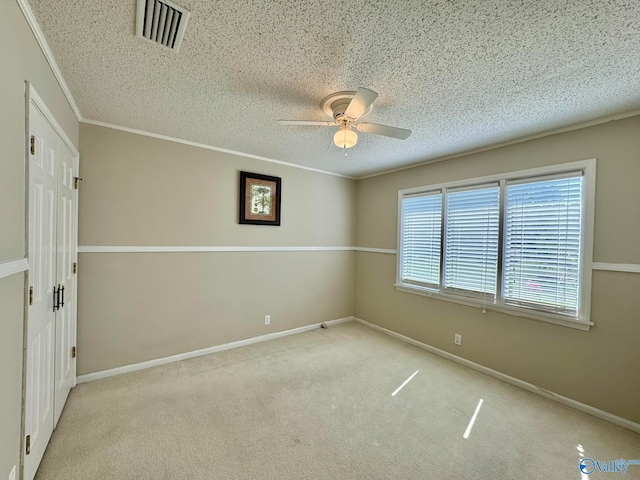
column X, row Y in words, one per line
column 346, row 109
column 345, row 137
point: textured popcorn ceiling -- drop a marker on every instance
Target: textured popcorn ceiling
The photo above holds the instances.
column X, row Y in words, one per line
column 459, row 74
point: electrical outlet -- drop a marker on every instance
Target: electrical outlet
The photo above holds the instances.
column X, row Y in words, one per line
column 267, row 319
column 12, row 475
column 457, row 339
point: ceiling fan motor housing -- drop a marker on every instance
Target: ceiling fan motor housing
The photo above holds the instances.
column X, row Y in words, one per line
column 336, row 104
column 339, row 107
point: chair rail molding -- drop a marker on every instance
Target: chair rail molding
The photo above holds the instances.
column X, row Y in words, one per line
column 12, row 267
column 178, row 249
column 617, row 267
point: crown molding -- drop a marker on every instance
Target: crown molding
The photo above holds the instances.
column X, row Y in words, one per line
column 209, row 147
column 494, row 146
column 46, row 50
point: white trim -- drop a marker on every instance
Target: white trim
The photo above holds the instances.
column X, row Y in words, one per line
column 580, row 165
column 38, row 103
column 205, row 351
column 46, row 50
column 609, row 417
column 509, row 310
column 399, row 227
column 586, row 238
column 617, row 267
column 588, row 170
column 44, row 46
column 209, row 147
column 375, row 250
column 603, row 266
column 495, row 146
column 12, row 267
column 176, row 249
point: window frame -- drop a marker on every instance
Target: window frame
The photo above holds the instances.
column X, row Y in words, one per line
column 583, row 319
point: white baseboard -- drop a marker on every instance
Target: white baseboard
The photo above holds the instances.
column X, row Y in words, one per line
column 204, row 351
column 601, row 414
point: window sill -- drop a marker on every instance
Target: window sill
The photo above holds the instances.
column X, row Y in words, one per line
column 515, row 311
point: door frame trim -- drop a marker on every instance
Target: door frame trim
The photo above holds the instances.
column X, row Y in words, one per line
column 32, row 98
column 36, row 100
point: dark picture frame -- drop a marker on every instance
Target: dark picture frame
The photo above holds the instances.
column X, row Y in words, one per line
column 260, row 199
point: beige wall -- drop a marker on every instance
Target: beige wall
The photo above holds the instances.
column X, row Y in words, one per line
column 11, row 302
column 143, row 191
column 137, row 307
column 139, row 190
column 600, row 367
column 20, row 60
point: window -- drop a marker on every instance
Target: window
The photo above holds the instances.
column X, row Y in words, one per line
column 421, row 237
column 519, row 243
column 542, row 244
column 471, row 241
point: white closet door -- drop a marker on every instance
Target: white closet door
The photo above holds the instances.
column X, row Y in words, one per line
column 39, row 410
column 65, row 371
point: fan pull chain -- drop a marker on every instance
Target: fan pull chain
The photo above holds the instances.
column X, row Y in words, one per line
column 344, row 142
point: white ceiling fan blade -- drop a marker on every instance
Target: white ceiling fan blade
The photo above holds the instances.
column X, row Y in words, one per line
column 394, row 132
column 306, row 122
column 360, row 102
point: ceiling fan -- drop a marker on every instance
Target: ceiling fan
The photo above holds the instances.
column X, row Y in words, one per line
column 346, row 108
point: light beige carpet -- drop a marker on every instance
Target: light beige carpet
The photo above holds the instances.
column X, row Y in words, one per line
column 319, row 405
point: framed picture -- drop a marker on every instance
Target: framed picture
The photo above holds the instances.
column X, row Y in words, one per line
column 260, row 197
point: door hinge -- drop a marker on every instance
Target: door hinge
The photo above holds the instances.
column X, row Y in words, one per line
column 76, row 182
column 30, row 295
column 73, row 352
column 28, row 444
column 33, row 144
column 75, row 267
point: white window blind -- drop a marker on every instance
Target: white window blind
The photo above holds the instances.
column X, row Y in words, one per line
column 471, row 241
column 542, row 243
column 420, row 240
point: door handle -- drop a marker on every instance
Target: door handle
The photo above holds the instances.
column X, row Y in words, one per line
column 62, row 303
column 55, row 298
column 58, row 298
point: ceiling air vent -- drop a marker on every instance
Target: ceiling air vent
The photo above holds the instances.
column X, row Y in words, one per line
column 161, row 22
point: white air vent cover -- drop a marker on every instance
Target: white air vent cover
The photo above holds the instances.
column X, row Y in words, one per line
column 162, row 22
